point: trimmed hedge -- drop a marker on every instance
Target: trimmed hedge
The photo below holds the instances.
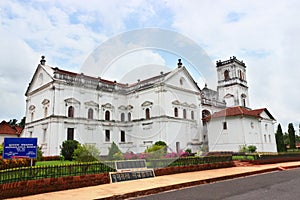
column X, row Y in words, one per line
column 15, row 163
column 50, row 158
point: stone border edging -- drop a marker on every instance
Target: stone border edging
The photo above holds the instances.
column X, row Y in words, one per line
column 193, row 183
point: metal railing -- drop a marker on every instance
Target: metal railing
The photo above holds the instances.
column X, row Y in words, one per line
column 41, row 172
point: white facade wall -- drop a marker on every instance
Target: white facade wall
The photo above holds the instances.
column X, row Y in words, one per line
column 51, row 130
column 241, row 131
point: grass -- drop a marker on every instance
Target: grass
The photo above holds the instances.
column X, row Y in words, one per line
column 54, row 162
column 246, row 157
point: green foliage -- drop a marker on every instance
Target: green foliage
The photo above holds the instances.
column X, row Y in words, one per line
column 118, row 156
column 22, row 123
column 12, row 122
column 280, row 139
column 160, row 143
column 188, row 151
column 252, row 148
column 39, row 154
column 86, row 153
column 67, row 149
column 112, row 150
column 248, row 149
column 1, row 149
column 54, row 162
column 157, row 150
column 243, row 149
column 292, row 136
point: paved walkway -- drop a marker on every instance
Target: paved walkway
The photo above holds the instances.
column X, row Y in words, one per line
column 123, row 190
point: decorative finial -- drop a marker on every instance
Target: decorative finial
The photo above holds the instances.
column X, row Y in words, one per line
column 179, row 64
column 205, row 85
column 43, row 61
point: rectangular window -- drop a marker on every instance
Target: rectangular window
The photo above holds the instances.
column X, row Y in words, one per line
column 265, row 137
column 224, row 125
column 44, row 135
column 122, row 136
column 270, row 138
column 107, row 135
column 70, row 134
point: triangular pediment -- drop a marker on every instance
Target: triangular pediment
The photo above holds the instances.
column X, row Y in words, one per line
column 181, row 78
column 41, row 77
column 72, row 101
column 176, row 102
column 91, row 103
column 107, row 106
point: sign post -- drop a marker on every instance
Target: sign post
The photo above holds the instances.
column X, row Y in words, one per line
column 20, row 148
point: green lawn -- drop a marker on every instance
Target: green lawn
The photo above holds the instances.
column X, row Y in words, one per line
column 246, row 157
column 54, row 162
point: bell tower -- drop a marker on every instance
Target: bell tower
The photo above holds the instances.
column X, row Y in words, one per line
column 232, row 83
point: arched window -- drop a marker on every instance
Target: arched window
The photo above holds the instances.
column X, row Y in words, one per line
column 71, row 111
column 122, row 117
column 175, row 112
column 243, row 97
column 147, row 113
column 129, row 117
column 184, row 113
column 90, row 113
column 107, row 115
column 192, row 114
column 226, row 75
column 205, row 113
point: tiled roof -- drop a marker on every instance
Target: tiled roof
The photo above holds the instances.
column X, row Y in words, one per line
column 239, row 111
column 7, row 129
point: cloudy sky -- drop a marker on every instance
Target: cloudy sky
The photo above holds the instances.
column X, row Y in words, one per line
column 264, row 34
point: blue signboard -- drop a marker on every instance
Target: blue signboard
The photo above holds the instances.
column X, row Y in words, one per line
column 19, row 148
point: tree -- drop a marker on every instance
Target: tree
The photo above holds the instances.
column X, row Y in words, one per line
column 67, row 149
column 252, row 148
column 22, row 123
column 292, row 136
column 112, row 150
column 86, row 153
column 12, row 122
column 279, row 139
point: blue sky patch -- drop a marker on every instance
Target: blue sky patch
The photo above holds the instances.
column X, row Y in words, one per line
column 234, row 16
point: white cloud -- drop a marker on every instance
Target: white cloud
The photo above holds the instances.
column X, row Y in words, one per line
column 265, row 34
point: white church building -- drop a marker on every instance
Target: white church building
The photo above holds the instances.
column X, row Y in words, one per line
column 170, row 107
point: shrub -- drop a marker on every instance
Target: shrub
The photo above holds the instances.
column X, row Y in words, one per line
column 67, row 149
column 160, row 143
column 156, row 151
column 1, row 149
column 13, row 163
column 51, row 158
column 86, row 153
column 118, row 156
column 39, row 155
column 252, row 148
column 112, row 150
column 189, row 151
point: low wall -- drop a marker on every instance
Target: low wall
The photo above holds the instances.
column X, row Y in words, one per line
column 31, row 187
